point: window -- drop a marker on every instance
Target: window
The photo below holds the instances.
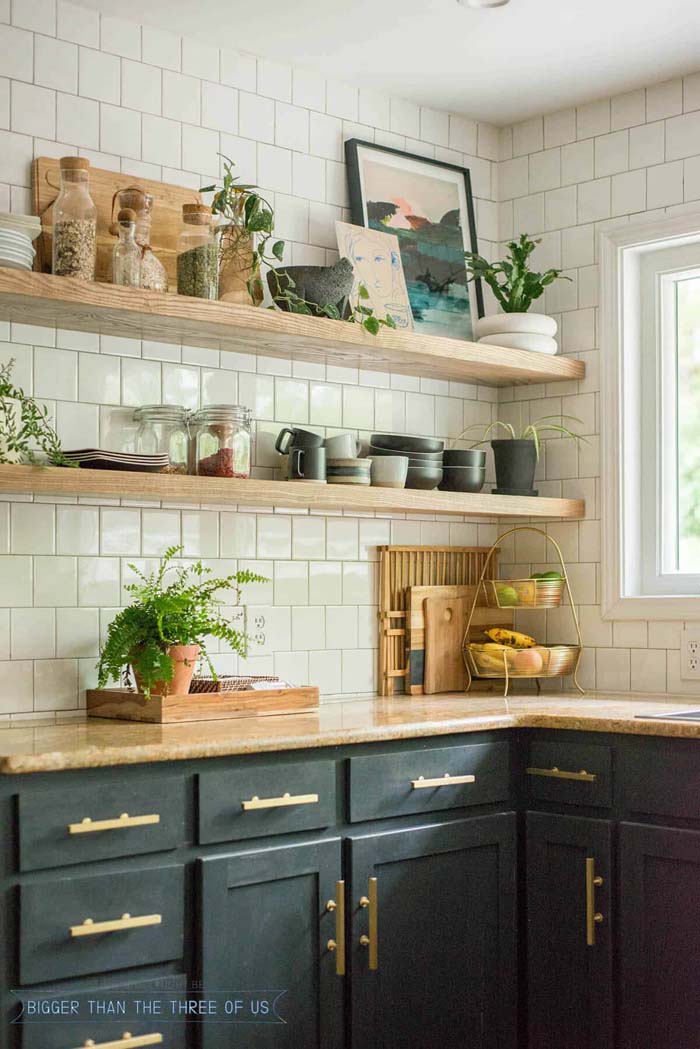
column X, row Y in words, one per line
column 651, row 407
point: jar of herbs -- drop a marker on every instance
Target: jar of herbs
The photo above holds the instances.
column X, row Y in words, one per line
column 74, row 222
column 222, row 437
column 197, row 254
column 163, row 430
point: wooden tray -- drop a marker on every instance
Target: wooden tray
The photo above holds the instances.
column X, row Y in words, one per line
column 202, row 706
column 166, row 216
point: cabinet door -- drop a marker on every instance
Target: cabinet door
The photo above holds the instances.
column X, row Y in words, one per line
column 569, row 954
column 443, row 927
column 264, row 934
column 659, row 937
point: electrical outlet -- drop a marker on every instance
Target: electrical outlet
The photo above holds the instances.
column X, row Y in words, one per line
column 690, row 655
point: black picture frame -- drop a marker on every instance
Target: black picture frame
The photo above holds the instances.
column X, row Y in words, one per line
column 357, row 208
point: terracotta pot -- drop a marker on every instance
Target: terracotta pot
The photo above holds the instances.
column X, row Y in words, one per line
column 236, row 268
column 184, row 659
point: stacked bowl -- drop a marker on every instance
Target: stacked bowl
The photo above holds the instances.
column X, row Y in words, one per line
column 16, row 235
column 424, row 457
column 463, row 470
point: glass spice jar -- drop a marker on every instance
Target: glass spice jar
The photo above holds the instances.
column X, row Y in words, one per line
column 74, row 222
column 197, row 254
column 163, row 430
column 222, row 441
column 126, row 256
column 153, row 273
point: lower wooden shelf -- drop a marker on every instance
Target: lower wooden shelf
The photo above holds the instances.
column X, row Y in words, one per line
column 121, row 484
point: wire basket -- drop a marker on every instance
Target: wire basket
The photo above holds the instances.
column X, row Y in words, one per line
column 507, row 662
column 523, row 593
column 225, row 683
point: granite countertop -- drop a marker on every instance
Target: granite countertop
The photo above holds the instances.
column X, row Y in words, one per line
column 93, row 743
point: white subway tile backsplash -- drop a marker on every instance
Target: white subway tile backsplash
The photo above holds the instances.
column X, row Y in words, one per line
column 577, row 162
column 56, row 64
column 274, row 80
column 308, row 89
column 17, row 49
column 593, row 119
column 200, row 59
column 665, row 184
column 99, row 75
column 664, row 100
column 33, row 633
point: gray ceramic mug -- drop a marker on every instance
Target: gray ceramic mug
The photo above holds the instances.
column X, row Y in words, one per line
column 307, row 464
column 341, row 446
column 294, row 437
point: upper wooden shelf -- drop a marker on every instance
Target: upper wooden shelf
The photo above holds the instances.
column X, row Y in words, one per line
column 64, row 302
column 289, row 494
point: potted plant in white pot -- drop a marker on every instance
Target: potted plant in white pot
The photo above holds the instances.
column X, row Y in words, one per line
column 163, row 634
column 516, row 457
column 515, row 287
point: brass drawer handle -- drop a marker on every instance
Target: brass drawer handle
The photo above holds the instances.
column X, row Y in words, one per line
column 371, row 902
column 442, row 781
column 90, row 927
column 555, row 773
column 593, row 917
column 127, row 1041
column 338, row 944
column 90, row 826
column 278, row 803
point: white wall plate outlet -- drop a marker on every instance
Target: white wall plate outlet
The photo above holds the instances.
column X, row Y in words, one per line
column 690, row 654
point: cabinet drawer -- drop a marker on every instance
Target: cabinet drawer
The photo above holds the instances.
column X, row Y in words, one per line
column 79, row 825
column 74, row 1022
column 258, row 800
column 570, row 773
column 661, row 781
column 51, row 912
column 401, row 783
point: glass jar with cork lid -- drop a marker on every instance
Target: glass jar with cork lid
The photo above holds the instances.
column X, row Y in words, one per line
column 154, row 276
column 197, row 254
column 74, row 222
column 222, row 437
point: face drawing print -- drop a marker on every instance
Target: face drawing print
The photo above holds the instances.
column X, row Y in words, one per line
column 376, row 260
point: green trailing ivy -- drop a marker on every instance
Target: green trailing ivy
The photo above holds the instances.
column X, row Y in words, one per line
column 364, row 315
column 175, row 605
column 513, row 283
column 22, row 438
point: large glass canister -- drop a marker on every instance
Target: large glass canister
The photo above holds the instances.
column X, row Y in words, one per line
column 163, row 430
column 197, row 254
column 222, row 437
column 74, row 222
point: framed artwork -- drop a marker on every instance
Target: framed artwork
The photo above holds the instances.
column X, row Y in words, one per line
column 429, row 207
column 376, row 261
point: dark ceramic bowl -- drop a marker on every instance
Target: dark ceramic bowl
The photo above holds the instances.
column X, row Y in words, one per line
column 463, row 479
column 464, row 457
column 402, row 443
column 429, row 458
column 426, row 477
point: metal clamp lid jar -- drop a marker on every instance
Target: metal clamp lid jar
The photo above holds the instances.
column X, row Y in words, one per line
column 222, row 440
column 163, row 431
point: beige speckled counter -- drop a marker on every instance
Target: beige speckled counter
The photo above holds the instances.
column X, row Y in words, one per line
column 94, row 743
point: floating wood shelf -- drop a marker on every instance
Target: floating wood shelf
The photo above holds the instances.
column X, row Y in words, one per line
column 38, row 298
column 116, row 484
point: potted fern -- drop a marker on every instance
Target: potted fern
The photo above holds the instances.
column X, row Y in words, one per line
column 517, row 455
column 162, row 635
column 515, row 287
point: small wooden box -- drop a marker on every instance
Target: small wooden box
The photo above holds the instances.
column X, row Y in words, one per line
column 201, row 706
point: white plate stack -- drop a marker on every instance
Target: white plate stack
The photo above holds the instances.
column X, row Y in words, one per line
column 16, row 235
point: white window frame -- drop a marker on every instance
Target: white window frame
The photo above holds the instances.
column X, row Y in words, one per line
column 636, row 583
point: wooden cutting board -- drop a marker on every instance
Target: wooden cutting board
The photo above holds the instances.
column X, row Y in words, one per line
column 445, row 619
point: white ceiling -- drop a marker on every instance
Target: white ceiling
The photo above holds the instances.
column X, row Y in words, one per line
column 502, row 64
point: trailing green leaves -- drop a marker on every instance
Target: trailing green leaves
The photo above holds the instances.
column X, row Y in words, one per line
column 25, row 427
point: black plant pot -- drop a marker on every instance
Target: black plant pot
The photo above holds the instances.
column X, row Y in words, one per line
column 515, row 465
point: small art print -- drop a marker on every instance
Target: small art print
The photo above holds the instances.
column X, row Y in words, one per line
column 428, row 206
column 376, row 261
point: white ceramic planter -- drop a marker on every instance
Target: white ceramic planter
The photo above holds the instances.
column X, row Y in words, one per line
column 515, row 324
column 517, row 341
column 11, row 419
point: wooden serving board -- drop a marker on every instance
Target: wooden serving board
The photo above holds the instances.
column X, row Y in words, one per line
column 415, row 639
column 445, row 622
column 124, row 705
column 166, row 214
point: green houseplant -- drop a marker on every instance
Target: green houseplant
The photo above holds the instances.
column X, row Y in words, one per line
column 515, row 287
column 516, row 456
column 162, row 634
column 245, row 231
column 25, row 429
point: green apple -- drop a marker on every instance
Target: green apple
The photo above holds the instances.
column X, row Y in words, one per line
column 507, row 596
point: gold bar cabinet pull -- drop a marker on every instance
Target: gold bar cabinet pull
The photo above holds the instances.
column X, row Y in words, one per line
column 127, row 1041
column 371, row 902
column 593, row 917
column 90, row 927
column 555, row 773
column 441, row 781
column 90, row 826
column 279, row 803
column 338, row 944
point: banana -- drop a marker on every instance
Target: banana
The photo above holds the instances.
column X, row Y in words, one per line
column 510, row 638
